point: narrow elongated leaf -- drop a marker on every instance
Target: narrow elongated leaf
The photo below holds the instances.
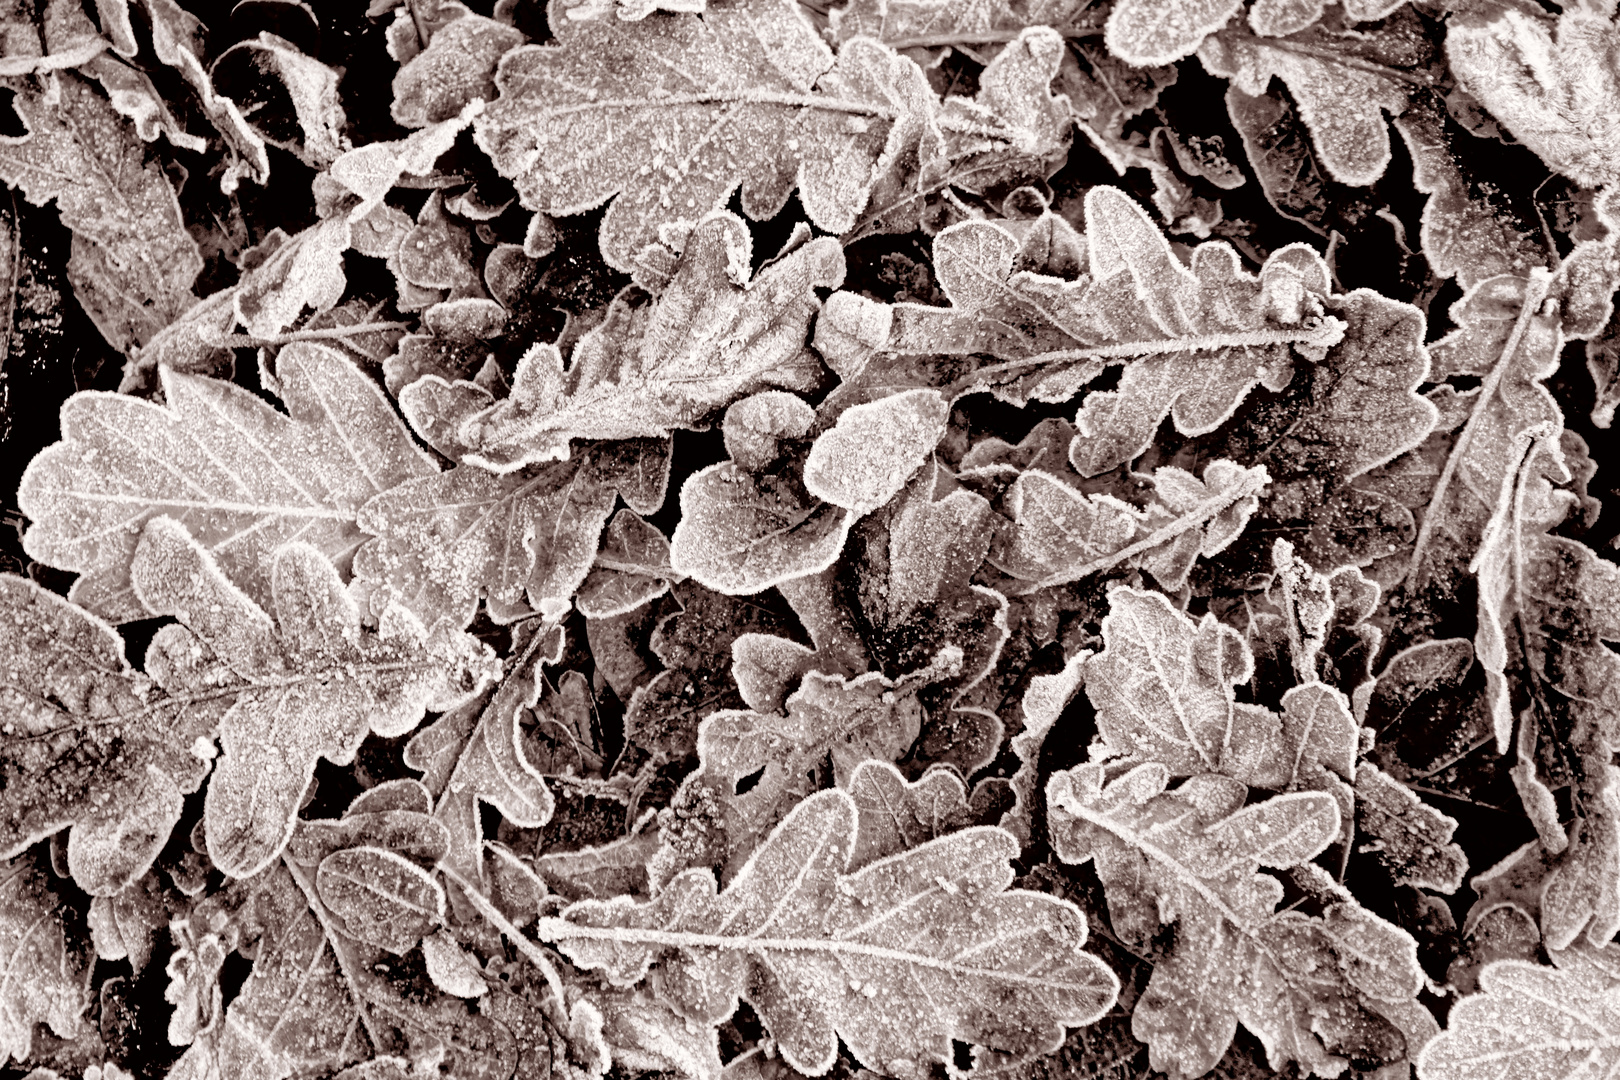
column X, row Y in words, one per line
column 309, row 685
column 1059, row 535
column 896, row 960
column 242, row 477
column 1194, row 340
column 746, row 95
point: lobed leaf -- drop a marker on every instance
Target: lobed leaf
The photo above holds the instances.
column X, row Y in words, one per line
column 312, row 684
column 243, row 478
column 896, row 959
column 746, row 95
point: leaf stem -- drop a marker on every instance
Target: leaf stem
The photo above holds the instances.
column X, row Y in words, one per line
column 1326, row 332
column 531, row 951
column 328, row 333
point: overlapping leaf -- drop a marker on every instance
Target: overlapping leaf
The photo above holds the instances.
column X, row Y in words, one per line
column 1530, row 1019
column 312, row 684
column 711, row 336
column 1550, row 86
column 133, row 260
column 47, row 971
column 896, row 959
column 1164, row 692
column 1195, row 341
column 1309, row 988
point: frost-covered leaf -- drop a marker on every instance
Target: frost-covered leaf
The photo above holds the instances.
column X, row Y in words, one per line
column 1471, row 229
column 631, row 569
column 712, row 335
column 310, row 685
column 380, row 898
column 178, row 41
column 1531, row 1020
column 450, row 968
column 896, row 960
column 457, row 67
column 242, row 477
column 756, row 767
column 317, row 1000
column 47, row 971
column 306, row 118
column 91, row 745
column 1150, row 32
column 134, row 262
column 526, row 536
column 1412, row 839
column 1194, row 340
column 474, row 755
column 1313, row 989
column 1556, row 90
column 868, row 455
column 1164, row 690
column 740, row 533
column 896, row 815
column 1044, row 702
column 646, row 1035
column 1510, row 333
column 1059, row 535
column 1342, row 80
column 372, row 170
column 677, row 112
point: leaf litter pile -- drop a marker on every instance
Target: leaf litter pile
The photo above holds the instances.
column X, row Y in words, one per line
column 747, row 539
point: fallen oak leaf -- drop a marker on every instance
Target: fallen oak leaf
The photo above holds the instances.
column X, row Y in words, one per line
column 48, row 973
column 293, row 697
column 243, row 477
column 948, row 951
column 711, row 336
column 672, row 139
